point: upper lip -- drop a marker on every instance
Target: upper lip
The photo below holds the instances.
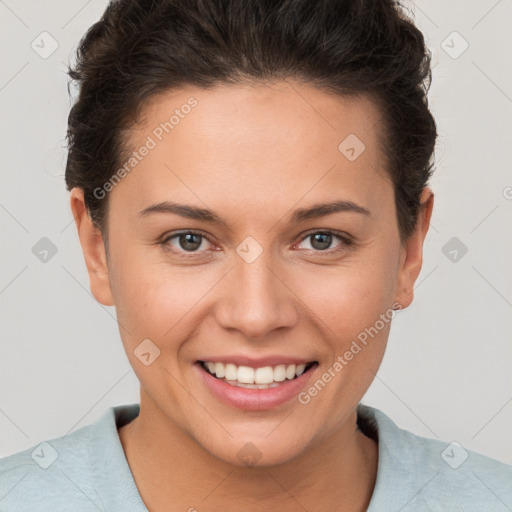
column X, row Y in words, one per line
column 260, row 362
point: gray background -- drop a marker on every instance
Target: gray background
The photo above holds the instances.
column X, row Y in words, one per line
column 446, row 373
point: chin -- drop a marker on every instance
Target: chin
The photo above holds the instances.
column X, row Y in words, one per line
column 257, row 453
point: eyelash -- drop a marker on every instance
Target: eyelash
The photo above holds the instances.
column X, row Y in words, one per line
column 347, row 242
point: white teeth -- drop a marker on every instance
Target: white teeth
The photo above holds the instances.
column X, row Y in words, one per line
column 300, row 369
column 290, row 371
column 252, row 386
column 258, row 378
column 230, row 371
column 264, row 375
column 244, row 385
column 245, row 374
column 219, row 370
column 280, row 373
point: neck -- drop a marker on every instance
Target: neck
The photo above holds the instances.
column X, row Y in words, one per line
column 338, row 473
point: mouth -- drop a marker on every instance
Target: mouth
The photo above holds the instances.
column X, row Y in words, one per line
column 265, row 377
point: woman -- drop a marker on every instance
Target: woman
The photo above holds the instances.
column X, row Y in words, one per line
column 249, row 185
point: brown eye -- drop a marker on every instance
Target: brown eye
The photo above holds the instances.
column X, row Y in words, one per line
column 189, row 241
column 186, row 241
column 321, row 241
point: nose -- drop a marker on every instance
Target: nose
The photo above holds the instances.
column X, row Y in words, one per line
column 256, row 300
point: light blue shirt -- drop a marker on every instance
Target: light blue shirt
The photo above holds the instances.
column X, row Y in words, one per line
column 87, row 471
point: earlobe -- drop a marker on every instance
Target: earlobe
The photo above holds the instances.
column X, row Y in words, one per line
column 411, row 257
column 93, row 248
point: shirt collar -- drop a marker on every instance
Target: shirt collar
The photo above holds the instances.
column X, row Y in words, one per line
column 113, row 479
column 116, row 487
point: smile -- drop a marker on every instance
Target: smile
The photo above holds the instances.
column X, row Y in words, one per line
column 255, row 383
column 255, row 378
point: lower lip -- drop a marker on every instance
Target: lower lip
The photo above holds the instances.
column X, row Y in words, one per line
column 255, row 399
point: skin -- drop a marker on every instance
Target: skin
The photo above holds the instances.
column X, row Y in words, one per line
column 253, row 154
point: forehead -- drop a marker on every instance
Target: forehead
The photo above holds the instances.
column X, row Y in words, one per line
column 281, row 114
column 256, row 145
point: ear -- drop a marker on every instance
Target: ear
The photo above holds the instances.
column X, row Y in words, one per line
column 93, row 248
column 412, row 251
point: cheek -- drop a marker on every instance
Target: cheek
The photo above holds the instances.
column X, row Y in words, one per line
column 351, row 297
column 347, row 308
column 153, row 298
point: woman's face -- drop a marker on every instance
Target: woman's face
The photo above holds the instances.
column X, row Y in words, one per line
column 261, row 282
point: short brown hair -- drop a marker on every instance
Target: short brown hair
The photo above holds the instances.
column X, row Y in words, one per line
column 140, row 48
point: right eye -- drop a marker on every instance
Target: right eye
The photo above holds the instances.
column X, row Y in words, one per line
column 186, row 242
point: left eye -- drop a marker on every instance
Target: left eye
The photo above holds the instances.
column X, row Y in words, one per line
column 321, row 240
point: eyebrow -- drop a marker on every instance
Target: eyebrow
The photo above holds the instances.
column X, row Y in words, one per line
column 300, row 215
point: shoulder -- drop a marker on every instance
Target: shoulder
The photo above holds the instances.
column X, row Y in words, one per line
column 419, row 473
column 61, row 473
column 48, row 475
